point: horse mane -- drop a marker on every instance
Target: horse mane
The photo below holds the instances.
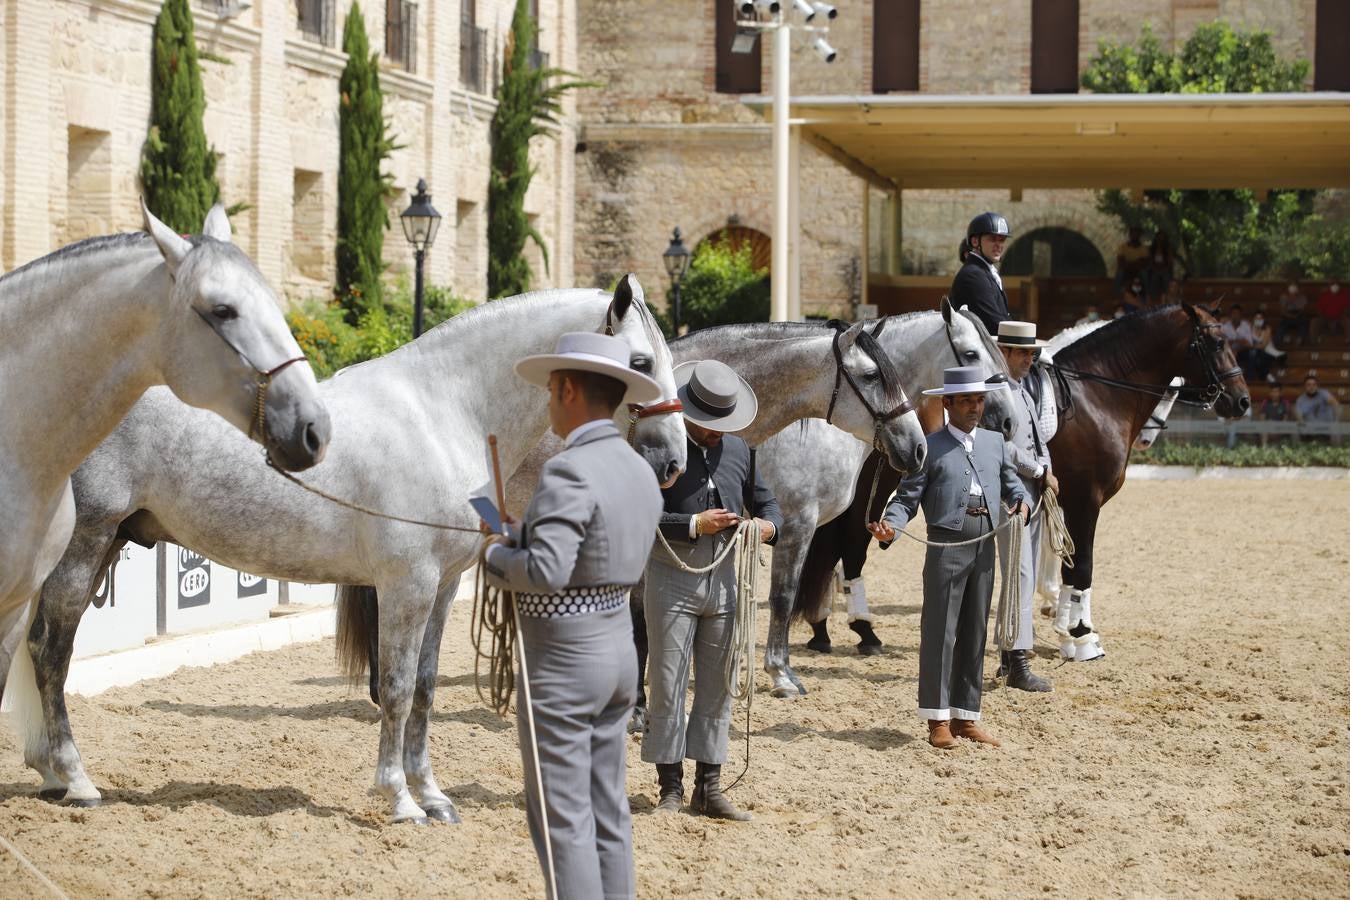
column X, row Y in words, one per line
column 1112, row 343
column 78, row 250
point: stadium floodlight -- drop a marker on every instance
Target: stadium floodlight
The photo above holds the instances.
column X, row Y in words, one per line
column 769, row 6
column 804, row 9
column 825, row 9
column 824, row 49
column 744, row 7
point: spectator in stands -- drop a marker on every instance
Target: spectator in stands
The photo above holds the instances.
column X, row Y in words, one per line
column 1122, row 309
column 1238, row 332
column 1158, row 275
column 1293, row 316
column 1264, row 353
column 1333, row 312
column 1131, row 260
column 1275, row 408
column 1316, row 405
column 1089, row 315
column 1175, row 294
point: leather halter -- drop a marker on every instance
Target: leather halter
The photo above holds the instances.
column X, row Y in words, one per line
column 841, row 373
column 263, row 379
column 638, row 411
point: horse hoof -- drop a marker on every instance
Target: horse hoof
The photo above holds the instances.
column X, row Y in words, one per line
column 412, row 820
column 869, row 649
column 638, row 723
column 446, row 814
column 85, row 803
column 819, row 646
column 784, row 691
column 52, row 795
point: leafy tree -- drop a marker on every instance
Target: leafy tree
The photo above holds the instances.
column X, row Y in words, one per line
column 178, row 169
column 722, row 287
column 362, row 188
column 1227, row 233
column 528, row 99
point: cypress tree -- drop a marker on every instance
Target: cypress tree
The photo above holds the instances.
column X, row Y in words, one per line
column 178, row 169
column 526, row 100
column 362, row 189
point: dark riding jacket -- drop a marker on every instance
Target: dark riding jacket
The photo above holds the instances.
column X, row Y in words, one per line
column 723, row 481
column 975, row 286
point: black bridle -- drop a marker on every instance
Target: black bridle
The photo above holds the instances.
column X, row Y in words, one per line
column 1202, row 344
column 868, row 344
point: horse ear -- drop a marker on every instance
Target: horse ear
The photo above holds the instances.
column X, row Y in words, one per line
column 217, row 224
column 947, row 310
column 172, row 246
column 624, row 293
column 849, row 336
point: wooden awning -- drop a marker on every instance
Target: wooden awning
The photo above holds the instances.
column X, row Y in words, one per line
column 1138, row 141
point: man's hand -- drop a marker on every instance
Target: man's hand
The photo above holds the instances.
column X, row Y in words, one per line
column 1021, row 509
column 714, row 520
column 766, row 530
column 882, row 531
column 1051, row 482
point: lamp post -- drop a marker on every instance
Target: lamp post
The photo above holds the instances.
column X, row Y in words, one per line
column 420, row 222
column 676, row 259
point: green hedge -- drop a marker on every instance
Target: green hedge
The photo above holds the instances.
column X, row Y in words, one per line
column 330, row 343
column 1285, row 454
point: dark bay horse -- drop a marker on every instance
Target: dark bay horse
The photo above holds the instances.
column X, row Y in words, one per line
column 1108, row 383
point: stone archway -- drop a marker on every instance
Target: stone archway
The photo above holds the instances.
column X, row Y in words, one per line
column 1102, row 231
column 1067, row 254
column 738, row 236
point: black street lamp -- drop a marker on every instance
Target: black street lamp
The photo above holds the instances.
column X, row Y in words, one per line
column 676, row 259
column 420, row 221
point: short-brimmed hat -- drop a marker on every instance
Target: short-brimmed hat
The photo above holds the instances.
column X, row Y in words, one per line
column 963, row 380
column 589, row 351
column 1019, row 334
column 714, row 396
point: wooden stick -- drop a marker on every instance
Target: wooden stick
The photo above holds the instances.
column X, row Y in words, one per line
column 497, row 477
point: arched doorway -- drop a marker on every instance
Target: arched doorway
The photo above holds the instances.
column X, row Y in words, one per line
column 1053, row 252
column 737, row 236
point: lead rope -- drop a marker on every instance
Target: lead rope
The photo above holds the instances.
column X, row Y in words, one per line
column 1008, row 619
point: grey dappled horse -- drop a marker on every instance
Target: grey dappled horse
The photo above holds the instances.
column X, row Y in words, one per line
column 410, row 439
column 87, row 330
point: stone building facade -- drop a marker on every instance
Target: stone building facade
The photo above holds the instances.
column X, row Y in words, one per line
column 660, row 147
column 75, row 83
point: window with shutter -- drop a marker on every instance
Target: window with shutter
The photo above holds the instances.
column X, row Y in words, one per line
column 737, row 73
column 1054, row 46
column 895, row 45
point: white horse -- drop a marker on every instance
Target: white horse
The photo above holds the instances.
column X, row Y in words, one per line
column 411, row 442
column 87, row 330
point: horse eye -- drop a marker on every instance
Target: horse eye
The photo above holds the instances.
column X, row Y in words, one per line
column 224, row 312
column 641, row 364
column 972, row 354
column 871, row 375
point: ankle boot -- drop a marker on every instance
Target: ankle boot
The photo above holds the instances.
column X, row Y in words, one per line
column 940, row 734
column 820, row 640
column 971, row 731
column 868, row 642
column 1020, row 675
column 670, row 777
column 708, row 799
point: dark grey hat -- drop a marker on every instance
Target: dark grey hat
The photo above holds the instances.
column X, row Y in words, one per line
column 714, row 396
column 988, row 223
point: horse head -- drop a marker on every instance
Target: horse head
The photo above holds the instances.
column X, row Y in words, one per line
column 661, row 439
column 230, row 351
column 874, row 407
column 1211, row 364
column 973, row 346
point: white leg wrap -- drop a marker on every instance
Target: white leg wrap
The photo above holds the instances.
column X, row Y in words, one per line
column 1063, row 611
column 856, row 595
column 1086, row 612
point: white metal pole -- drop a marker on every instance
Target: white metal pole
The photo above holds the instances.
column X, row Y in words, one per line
column 782, row 46
column 794, row 225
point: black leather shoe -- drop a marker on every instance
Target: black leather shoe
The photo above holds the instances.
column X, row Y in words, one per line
column 1020, row 675
column 708, row 799
column 670, row 776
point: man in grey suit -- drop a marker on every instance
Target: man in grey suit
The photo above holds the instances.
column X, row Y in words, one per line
column 1031, row 457
column 584, row 543
column 690, row 616
column 962, row 489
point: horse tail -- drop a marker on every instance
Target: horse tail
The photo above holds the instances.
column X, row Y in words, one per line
column 25, row 703
column 813, row 585
column 357, row 622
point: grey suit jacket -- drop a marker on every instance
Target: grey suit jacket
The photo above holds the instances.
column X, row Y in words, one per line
column 942, row 487
column 590, row 522
column 1027, row 446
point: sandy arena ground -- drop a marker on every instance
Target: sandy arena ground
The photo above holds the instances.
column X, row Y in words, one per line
column 1207, row 755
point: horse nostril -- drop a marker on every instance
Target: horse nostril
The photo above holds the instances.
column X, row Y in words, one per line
column 1244, row 404
column 920, row 454
column 312, row 440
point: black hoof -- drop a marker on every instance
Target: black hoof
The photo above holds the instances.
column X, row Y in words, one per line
column 52, row 795
column 869, row 649
column 90, row 803
column 374, row 693
column 445, row 814
column 638, row 723
column 819, row 646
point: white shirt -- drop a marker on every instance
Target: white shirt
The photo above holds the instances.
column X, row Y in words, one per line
column 1240, row 332
column 968, row 441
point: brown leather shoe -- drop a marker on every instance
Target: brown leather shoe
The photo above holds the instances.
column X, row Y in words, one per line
column 971, row 730
column 940, row 734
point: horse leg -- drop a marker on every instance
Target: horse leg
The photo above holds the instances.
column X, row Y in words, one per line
column 404, row 610
column 65, row 596
column 370, row 609
column 638, row 723
column 416, row 763
column 788, row 556
column 1073, row 619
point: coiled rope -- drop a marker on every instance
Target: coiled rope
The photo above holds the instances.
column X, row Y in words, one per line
column 1008, row 619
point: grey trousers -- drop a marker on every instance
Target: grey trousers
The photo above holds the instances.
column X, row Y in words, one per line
column 689, row 618
column 958, row 583
column 1030, row 565
column 582, row 671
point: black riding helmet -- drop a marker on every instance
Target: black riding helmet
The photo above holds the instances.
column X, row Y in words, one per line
column 987, row 223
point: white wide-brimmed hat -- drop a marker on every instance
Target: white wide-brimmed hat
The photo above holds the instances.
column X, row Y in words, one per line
column 1019, row 334
column 714, row 396
column 588, row 351
column 963, row 380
